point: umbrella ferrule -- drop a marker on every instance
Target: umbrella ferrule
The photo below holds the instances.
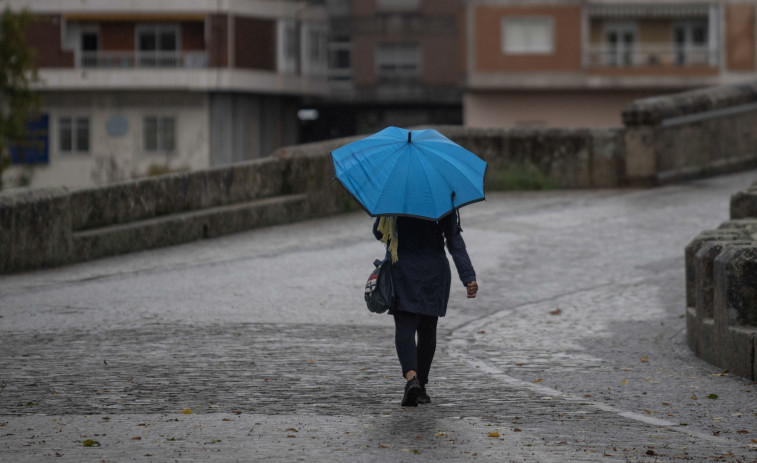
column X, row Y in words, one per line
column 409, row 136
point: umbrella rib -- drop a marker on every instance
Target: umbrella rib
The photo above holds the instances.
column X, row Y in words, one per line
column 451, row 164
column 391, row 170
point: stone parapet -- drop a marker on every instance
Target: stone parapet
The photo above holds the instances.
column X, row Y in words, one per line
column 721, row 296
column 691, row 134
column 51, row 227
column 655, row 110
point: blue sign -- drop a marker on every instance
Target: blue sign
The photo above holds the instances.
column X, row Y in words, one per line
column 117, row 126
column 36, row 149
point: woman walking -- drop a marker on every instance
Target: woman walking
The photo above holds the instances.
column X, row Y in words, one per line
column 421, row 277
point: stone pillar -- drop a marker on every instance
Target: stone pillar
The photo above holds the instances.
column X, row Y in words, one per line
column 744, row 204
column 735, row 303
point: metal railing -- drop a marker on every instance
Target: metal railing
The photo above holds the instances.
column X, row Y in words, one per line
column 651, row 55
column 143, row 59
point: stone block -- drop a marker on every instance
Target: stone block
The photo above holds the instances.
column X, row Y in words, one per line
column 641, row 156
column 748, row 224
column 607, row 168
column 707, row 342
column 735, row 272
column 704, row 275
column 35, row 229
column 735, row 351
column 754, row 357
column 744, row 204
column 693, row 247
column 692, row 329
column 189, row 226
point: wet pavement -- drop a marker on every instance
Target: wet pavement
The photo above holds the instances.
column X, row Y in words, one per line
column 573, row 351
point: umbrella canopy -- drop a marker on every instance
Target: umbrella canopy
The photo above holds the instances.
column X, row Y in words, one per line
column 419, row 173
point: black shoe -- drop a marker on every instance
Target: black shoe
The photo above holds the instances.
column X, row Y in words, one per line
column 412, row 391
column 423, row 397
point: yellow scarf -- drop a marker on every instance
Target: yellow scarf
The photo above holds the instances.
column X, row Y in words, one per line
column 387, row 227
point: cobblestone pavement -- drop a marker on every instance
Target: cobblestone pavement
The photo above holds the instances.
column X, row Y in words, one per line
column 574, row 350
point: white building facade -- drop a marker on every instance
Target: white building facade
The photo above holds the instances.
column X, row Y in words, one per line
column 132, row 88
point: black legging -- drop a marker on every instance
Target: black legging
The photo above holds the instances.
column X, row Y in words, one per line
column 414, row 357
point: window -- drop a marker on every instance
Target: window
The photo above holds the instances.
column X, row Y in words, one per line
column 73, row 134
column 159, row 133
column 340, row 59
column 89, row 45
column 528, row 35
column 158, row 45
column 398, row 61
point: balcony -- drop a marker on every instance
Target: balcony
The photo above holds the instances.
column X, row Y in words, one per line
column 142, row 59
column 651, row 55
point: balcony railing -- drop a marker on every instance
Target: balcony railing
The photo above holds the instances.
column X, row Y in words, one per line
column 143, row 59
column 652, row 55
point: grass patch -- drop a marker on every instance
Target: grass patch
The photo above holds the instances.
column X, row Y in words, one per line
column 518, row 176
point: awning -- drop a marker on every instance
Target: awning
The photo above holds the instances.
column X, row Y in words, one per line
column 649, row 10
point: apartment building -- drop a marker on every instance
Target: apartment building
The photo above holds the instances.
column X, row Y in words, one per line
column 391, row 62
column 132, row 87
column 577, row 63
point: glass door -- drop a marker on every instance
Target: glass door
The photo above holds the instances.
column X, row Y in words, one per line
column 690, row 43
column 620, row 44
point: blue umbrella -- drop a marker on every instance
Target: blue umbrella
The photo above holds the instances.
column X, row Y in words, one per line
column 419, row 173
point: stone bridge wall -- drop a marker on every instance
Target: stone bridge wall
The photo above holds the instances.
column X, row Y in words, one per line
column 666, row 139
column 691, row 134
column 721, row 290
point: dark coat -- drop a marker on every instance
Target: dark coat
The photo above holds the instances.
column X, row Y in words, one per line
column 421, row 275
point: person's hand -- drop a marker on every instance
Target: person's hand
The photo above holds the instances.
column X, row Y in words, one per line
column 472, row 288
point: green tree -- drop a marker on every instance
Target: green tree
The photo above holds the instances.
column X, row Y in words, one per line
column 18, row 71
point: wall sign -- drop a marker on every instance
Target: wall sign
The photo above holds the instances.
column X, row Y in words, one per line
column 117, row 126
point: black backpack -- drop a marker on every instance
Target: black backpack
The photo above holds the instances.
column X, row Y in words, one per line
column 379, row 289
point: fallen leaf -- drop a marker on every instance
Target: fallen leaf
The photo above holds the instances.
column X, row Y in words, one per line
column 90, row 443
column 225, row 419
column 187, row 411
column 136, row 438
column 557, row 311
column 494, row 434
column 481, row 332
column 754, row 441
column 516, row 430
column 743, row 431
column 416, row 451
column 651, row 453
column 644, row 359
column 693, row 397
column 625, row 381
column 537, row 380
column 292, row 430
column 382, row 446
column 712, row 396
